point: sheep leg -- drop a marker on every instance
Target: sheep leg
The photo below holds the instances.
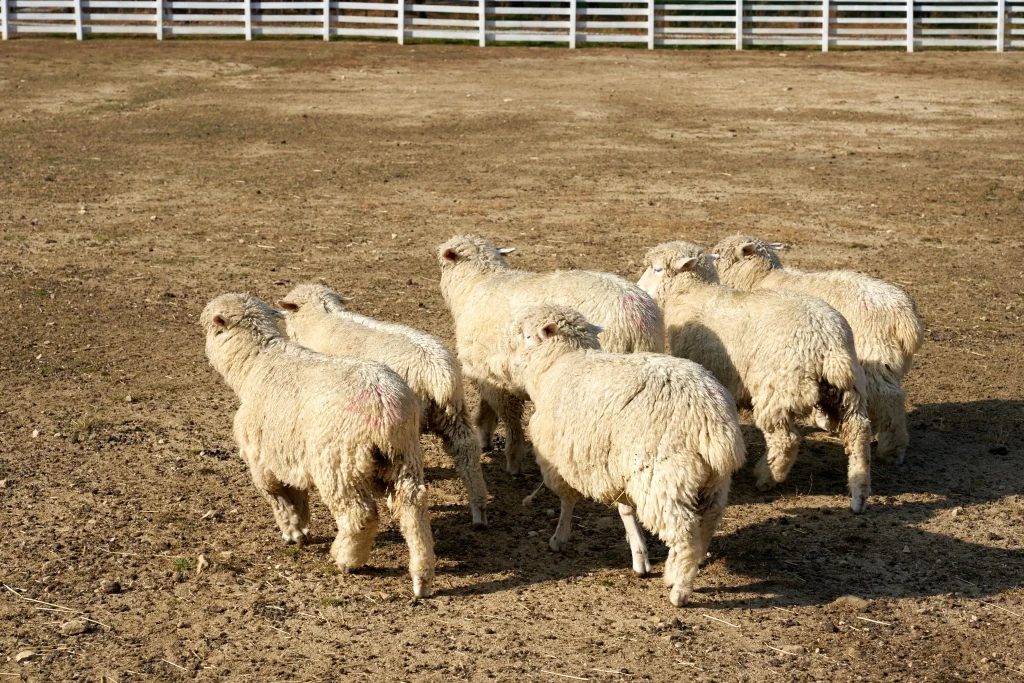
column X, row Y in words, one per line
column 568, row 496
column 300, row 502
column 461, row 445
column 684, row 557
column 889, row 418
column 783, row 440
column 561, row 536
column 411, row 508
column 486, row 423
column 357, row 521
column 712, row 515
column 635, row 537
column 510, row 410
column 292, row 519
column 822, row 420
column 856, row 434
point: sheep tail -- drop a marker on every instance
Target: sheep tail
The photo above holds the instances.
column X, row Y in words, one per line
column 908, row 332
column 724, row 449
column 528, row 501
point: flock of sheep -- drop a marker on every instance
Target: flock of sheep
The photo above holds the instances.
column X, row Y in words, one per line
column 337, row 400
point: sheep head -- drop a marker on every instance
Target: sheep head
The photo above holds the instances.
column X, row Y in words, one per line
column 231, row 311
column 472, row 250
column 312, row 294
column 744, row 261
column 549, row 330
column 676, row 262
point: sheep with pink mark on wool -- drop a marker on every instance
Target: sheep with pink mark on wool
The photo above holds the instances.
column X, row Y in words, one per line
column 655, row 434
column 782, row 354
column 316, row 317
column 483, row 293
column 887, row 330
column 347, row 426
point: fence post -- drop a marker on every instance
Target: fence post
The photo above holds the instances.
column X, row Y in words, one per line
column 159, row 19
column 1001, row 26
column 248, row 19
column 401, row 22
column 910, row 25
column 739, row 24
column 572, row 23
column 6, row 19
column 825, row 24
column 78, row 19
column 483, row 23
column 327, row 19
column 650, row 24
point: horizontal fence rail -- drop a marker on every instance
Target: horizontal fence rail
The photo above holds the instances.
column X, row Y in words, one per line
column 821, row 24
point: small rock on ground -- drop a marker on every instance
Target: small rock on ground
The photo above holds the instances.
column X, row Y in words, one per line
column 74, row 627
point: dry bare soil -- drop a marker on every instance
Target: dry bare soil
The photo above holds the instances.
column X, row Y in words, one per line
column 138, row 180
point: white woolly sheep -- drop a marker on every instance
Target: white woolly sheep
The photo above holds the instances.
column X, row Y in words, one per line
column 317, row 319
column 347, row 426
column 886, row 328
column 657, row 435
column 483, row 294
column 782, row 354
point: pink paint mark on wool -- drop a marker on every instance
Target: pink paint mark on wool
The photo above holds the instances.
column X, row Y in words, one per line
column 639, row 310
column 376, row 406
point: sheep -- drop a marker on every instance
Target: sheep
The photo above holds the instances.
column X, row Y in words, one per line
column 779, row 353
column 657, row 435
column 886, row 328
column 316, row 317
column 349, row 427
column 483, row 294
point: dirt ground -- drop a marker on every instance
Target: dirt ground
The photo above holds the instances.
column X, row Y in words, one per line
column 138, row 180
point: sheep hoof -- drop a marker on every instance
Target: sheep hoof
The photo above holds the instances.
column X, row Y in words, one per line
column 641, row 566
column 555, row 544
column 858, row 503
column 515, row 469
column 479, row 518
column 422, row 587
column 679, row 596
column 294, row 536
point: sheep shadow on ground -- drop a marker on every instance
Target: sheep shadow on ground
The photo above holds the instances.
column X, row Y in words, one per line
column 967, row 452
column 803, row 554
column 811, row 556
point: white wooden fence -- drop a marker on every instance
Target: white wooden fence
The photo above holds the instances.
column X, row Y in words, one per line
column 902, row 24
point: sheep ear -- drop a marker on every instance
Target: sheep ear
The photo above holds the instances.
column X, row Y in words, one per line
column 450, row 255
column 778, row 246
column 745, row 249
column 684, row 264
column 549, row 330
column 220, row 321
column 289, row 306
column 596, row 329
column 506, row 250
